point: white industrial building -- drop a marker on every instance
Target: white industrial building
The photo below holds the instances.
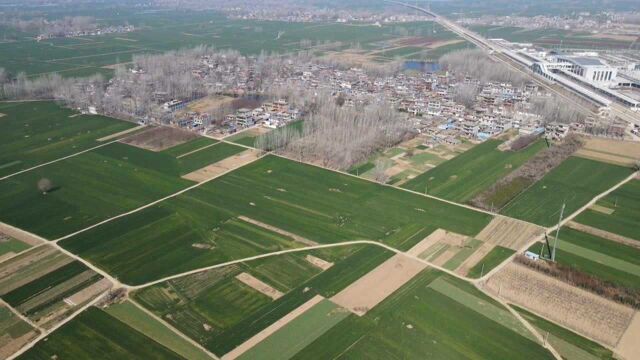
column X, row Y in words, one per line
column 589, row 68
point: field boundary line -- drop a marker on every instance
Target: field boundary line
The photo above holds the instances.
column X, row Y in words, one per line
column 563, row 223
column 22, row 317
column 47, row 332
column 173, row 329
column 155, row 202
column 57, row 160
column 196, row 150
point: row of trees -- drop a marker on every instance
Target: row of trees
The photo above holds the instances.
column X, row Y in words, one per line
column 339, row 136
column 59, row 27
column 553, row 109
column 476, row 64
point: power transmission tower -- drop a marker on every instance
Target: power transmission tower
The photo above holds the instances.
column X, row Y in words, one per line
column 555, row 242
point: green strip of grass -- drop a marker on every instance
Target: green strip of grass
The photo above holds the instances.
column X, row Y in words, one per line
column 204, row 157
column 494, row 258
column 12, row 246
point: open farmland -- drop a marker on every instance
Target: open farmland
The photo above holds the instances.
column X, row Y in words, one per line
column 317, row 204
column 129, row 178
column 432, row 316
column 622, row 212
column 139, row 320
column 494, row 258
column 575, row 182
column 96, row 334
column 471, row 172
column 569, row 344
column 220, row 312
column 605, row 259
column 14, row 332
column 46, row 286
column 32, row 133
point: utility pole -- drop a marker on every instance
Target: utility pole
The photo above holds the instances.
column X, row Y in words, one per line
column 555, row 242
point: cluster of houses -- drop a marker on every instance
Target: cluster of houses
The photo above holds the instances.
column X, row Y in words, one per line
column 121, row 29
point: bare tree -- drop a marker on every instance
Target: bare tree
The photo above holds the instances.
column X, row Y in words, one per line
column 379, row 172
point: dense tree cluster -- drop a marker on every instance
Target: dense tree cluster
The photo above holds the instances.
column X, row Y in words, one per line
column 476, row 64
column 51, row 28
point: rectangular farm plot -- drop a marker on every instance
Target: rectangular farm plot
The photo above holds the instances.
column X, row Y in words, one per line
column 10, row 247
column 509, row 233
column 160, row 138
column 495, row 256
column 446, row 249
column 146, row 324
column 14, row 332
column 575, row 182
column 377, row 285
column 94, row 333
column 259, row 285
column 439, row 322
column 298, row 333
column 84, row 190
column 209, row 155
column 471, row 172
column 32, row 133
column 224, row 158
column 618, row 212
column 617, row 152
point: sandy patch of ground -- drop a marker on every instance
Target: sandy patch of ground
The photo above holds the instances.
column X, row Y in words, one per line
column 295, row 237
column 427, row 242
column 472, row 260
column 88, row 293
column 439, row 44
column 21, row 235
column 118, row 134
column 159, row 138
column 612, row 151
column 125, row 39
column 350, row 57
column 603, row 234
column 371, row 289
column 258, row 285
column 510, row 233
column 257, row 338
column 574, row 308
column 210, row 103
column 2, row 115
column 317, row 262
column 629, row 346
column 601, row 209
column 222, row 166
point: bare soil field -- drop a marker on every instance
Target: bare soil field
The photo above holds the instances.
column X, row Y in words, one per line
column 29, row 266
column 159, row 138
column 351, row 57
column 629, row 346
column 210, row 103
column 222, row 166
column 617, row 152
column 257, row 338
column 258, row 285
column 9, row 346
column 295, row 237
column 89, row 292
column 603, row 234
column 472, row 260
column 601, row 209
column 510, row 233
column 118, row 134
column 319, row 263
column 371, row 289
column 579, row 310
column 427, row 242
column 439, row 44
column 619, row 37
column 25, row 237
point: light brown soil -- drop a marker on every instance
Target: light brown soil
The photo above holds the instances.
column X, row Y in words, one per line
column 259, row 337
column 118, row 134
column 317, row 262
column 159, row 138
column 601, row 209
column 472, row 260
column 609, row 150
column 574, row 308
column 350, row 57
column 371, row 289
column 29, row 266
column 88, row 293
column 445, row 256
column 2, row 115
column 210, row 103
column 427, row 242
column 25, row 237
column 258, row 285
column 222, row 166
column 510, row 233
column 52, row 292
column 604, row 234
column 619, row 37
column 439, row 44
column 629, row 346
column 9, row 345
column 295, row 237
